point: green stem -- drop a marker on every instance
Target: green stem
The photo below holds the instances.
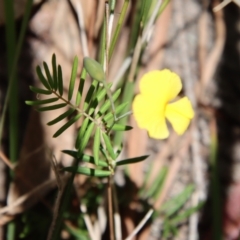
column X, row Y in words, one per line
column 118, row 28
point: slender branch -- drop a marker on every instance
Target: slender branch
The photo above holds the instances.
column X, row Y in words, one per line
column 141, row 224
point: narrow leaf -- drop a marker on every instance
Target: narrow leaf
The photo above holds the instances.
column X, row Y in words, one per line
column 86, row 137
column 40, row 91
column 118, row 110
column 109, row 145
column 49, row 77
column 120, row 127
column 73, row 78
column 85, row 158
column 94, row 69
column 89, row 95
column 131, row 160
column 54, row 70
column 61, row 117
column 81, row 132
column 42, row 78
column 53, row 107
column 107, row 104
column 98, row 98
column 81, row 86
column 39, row 102
column 67, row 125
column 60, row 80
column 96, row 146
column 88, row 171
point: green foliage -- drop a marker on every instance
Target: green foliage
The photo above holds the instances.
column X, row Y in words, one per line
column 99, row 114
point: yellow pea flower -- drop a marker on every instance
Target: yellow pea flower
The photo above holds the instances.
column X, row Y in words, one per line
column 151, row 106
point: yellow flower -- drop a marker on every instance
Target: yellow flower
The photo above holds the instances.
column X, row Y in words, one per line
column 151, row 106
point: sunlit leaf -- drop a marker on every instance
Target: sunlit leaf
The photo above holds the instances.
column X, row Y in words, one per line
column 96, row 145
column 109, row 145
column 86, row 137
column 107, row 104
column 94, row 69
column 81, row 86
column 73, row 78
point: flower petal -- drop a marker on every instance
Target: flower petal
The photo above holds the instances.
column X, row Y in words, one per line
column 149, row 115
column 161, row 84
column 179, row 114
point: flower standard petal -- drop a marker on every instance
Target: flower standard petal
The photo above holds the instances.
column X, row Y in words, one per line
column 179, row 114
column 164, row 84
column 149, row 115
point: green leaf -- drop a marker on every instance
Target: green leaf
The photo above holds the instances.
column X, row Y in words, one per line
column 42, row 78
column 107, row 104
column 88, row 171
column 81, row 86
column 54, row 70
column 174, row 204
column 81, row 132
column 61, row 117
column 73, row 78
column 131, row 160
column 40, row 91
column 53, row 107
column 49, row 77
column 60, row 80
column 39, row 102
column 67, row 125
column 94, row 69
column 119, row 127
column 109, row 145
column 89, row 95
column 85, row 158
column 86, row 137
column 98, row 98
column 96, row 145
column 118, row 110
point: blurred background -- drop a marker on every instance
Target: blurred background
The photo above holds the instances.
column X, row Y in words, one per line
column 199, row 172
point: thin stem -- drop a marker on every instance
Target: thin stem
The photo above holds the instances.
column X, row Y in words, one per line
column 110, row 208
column 117, row 218
column 140, row 225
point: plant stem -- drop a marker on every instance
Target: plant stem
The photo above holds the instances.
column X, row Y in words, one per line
column 110, row 208
column 106, row 55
